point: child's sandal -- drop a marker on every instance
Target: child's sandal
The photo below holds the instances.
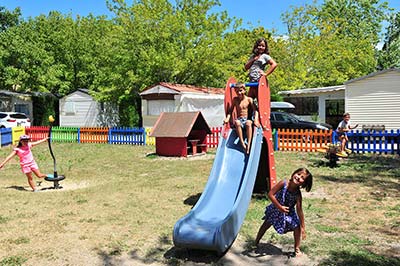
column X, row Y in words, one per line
column 297, row 252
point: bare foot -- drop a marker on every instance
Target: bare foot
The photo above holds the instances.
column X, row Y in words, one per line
column 298, row 252
column 244, row 146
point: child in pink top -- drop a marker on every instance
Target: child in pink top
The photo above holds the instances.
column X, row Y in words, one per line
column 26, row 160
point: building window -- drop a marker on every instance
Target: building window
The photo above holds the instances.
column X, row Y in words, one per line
column 334, row 110
column 69, row 108
column 156, row 107
column 304, row 105
column 22, row 108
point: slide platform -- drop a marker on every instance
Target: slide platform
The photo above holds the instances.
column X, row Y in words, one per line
column 215, row 220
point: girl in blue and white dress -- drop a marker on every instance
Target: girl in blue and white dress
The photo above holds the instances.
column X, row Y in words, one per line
column 281, row 213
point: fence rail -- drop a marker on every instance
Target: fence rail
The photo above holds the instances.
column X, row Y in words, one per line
column 64, row 134
column 213, row 138
column 302, row 139
column 134, row 136
column 370, row 141
column 149, row 140
column 37, row 133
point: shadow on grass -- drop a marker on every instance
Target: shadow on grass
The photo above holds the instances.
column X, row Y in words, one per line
column 152, row 155
column 162, row 253
column 372, row 170
column 175, row 255
column 264, row 249
column 20, row 188
column 344, row 258
column 192, row 200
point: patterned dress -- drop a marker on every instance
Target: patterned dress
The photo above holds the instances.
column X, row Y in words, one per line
column 283, row 223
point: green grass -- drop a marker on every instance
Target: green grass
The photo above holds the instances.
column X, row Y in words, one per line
column 120, row 203
column 13, row 261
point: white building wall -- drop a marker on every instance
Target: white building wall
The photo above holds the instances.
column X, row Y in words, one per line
column 375, row 100
column 78, row 110
column 151, row 109
column 210, row 105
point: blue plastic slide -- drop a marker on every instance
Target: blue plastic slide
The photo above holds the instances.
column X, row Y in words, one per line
column 215, row 220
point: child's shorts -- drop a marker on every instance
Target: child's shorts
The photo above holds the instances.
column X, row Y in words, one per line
column 27, row 168
column 242, row 121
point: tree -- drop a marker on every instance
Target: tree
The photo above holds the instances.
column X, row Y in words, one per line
column 9, row 19
column 53, row 53
column 389, row 56
column 158, row 41
column 332, row 43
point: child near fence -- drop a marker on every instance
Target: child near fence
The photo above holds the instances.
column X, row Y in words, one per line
column 27, row 162
column 343, row 128
column 281, row 213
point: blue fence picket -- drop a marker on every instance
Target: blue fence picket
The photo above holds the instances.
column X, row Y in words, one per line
column 121, row 135
column 374, row 141
column 6, row 136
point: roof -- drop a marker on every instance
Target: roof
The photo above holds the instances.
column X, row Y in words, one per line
column 373, row 74
column 178, row 125
column 172, row 88
column 282, row 105
column 314, row 90
column 12, row 93
column 83, row 90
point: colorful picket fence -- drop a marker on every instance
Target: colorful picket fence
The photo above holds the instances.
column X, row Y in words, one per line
column 213, row 138
column 6, row 136
column 370, row 141
column 149, row 140
column 64, row 134
column 116, row 135
column 302, row 139
column 133, row 136
column 37, row 133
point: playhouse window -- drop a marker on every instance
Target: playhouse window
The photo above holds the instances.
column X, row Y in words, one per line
column 69, row 108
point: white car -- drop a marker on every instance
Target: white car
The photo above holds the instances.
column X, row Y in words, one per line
column 13, row 119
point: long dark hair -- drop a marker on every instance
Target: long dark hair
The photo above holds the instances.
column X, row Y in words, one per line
column 307, row 185
column 20, row 143
column 255, row 50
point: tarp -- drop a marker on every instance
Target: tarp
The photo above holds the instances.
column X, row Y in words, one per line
column 211, row 107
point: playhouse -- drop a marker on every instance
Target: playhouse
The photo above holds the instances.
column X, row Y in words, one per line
column 181, row 134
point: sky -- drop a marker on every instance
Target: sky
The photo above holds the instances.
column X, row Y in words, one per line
column 266, row 13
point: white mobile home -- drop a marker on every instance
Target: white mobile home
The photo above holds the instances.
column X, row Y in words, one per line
column 79, row 109
column 325, row 104
column 375, row 99
column 371, row 100
column 168, row 97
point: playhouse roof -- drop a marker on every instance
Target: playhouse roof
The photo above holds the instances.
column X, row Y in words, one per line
column 179, row 124
column 172, row 88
